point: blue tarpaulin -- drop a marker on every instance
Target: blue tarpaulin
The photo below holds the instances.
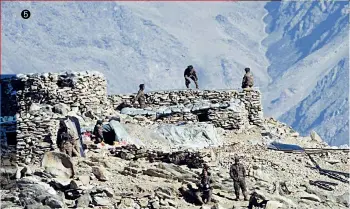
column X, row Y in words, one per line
column 285, row 147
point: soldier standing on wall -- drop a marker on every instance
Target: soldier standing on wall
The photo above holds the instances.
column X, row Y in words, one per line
column 190, row 73
column 237, row 173
column 248, row 80
column 140, row 97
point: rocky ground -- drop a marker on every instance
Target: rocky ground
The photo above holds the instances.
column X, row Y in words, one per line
column 104, row 180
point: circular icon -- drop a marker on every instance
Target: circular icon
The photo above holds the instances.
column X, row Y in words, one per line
column 25, row 14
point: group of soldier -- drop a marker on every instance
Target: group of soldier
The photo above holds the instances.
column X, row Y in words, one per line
column 237, row 173
column 191, row 74
column 203, row 194
column 71, row 127
column 237, row 170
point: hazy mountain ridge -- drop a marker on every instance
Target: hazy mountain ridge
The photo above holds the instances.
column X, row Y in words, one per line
column 310, row 75
column 326, row 108
column 143, row 47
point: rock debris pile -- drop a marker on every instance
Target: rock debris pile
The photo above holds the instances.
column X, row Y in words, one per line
column 125, row 178
column 190, row 158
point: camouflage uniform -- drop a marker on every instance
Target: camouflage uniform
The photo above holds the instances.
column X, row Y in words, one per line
column 253, row 201
column 237, row 173
column 205, row 187
column 248, row 80
column 68, row 146
column 68, row 138
column 140, row 97
column 190, row 73
column 204, row 193
column 98, row 132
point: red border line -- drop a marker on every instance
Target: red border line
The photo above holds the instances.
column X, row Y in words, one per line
column 131, row 0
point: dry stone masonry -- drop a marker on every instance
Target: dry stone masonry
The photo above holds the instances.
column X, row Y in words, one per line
column 228, row 109
column 33, row 104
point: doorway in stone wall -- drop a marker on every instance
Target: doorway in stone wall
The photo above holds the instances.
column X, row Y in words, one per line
column 202, row 116
column 11, row 138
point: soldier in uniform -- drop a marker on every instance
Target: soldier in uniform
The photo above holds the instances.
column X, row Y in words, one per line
column 206, row 168
column 98, row 131
column 237, row 173
column 190, row 73
column 140, row 97
column 67, row 141
column 248, row 80
column 204, row 192
column 205, row 187
column 254, row 201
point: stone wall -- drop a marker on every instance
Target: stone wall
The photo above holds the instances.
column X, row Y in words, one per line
column 32, row 105
column 228, row 109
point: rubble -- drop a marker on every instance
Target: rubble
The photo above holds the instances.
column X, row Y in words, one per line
column 137, row 182
column 131, row 152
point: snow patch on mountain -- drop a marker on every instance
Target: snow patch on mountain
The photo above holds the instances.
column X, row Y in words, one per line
column 308, row 48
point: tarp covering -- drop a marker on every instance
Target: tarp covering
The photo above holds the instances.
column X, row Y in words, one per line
column 121, row 135
column 136, row 111
column 285, row 147
column 190, row 136
column 234, row 105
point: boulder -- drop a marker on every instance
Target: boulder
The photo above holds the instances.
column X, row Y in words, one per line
column 261, row 175
column 32, row 192
column 61, row 108
column 274, row 205
column 58, row 164
column 343, row 199
column 126, row 203
column 83, row 201
column 34, row 107
column 100, row 173
column 101, row 201
column 315, row 137
column 311, row 197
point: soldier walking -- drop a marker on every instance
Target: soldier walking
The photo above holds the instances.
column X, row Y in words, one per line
column 248, row 80
column 190, row 73
column 237, row 173
column 140, row 97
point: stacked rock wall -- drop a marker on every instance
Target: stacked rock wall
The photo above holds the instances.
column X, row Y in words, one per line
column 81, row 90
column 228, row 109
column 32, row 105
